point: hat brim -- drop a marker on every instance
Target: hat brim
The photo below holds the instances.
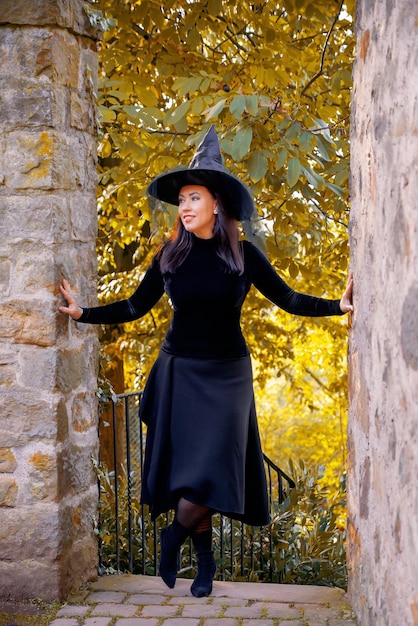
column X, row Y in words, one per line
column 236, row 196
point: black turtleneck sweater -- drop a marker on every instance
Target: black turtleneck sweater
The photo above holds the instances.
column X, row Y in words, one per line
column 207, row 301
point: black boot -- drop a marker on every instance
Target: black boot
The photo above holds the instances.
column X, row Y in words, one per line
column 171, row 539
column 206, row 565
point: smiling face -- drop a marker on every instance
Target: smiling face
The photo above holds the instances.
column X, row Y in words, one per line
column 197, row 210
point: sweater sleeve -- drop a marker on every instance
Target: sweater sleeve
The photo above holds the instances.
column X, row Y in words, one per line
column 145, row 297
column 269, row 283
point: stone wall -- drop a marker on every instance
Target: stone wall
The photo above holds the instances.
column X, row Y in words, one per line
column 48, row 412
column 383, row 430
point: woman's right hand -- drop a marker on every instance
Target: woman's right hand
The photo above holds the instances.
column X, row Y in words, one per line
column 72, row 309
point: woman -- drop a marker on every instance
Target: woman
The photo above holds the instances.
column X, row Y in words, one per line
column 203, row 449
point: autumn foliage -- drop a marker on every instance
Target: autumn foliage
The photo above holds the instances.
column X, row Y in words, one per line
column 274, row 77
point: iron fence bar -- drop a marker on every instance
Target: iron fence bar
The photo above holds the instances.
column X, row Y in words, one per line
column 129, row 482
column 280, row 473
column 155, row 548
column 221, row 545
column 141, row 464
column 231, row 547
column 242, row 548
column 115, row 463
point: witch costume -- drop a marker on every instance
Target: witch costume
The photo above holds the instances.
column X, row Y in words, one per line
column 202, row 436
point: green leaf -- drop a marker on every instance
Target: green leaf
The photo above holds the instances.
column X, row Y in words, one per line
column 339, row 191
column 173, row 117
column 281, row 159
column 292, row 132
column 257, row 165
column 242, row 143
column 306, row 141
column 322, row 147
column 215, row 110
column 237, row 106
column 313, row 178
column 186, row 86
column 106, row 115
column 294, row 170
column 251, row 104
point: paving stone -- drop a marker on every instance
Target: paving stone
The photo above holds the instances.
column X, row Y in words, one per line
column 258, row 622
column 279, row 610
column 181, row 621
column 65, row 622
column 222, row 621
column 254, row 610
column 342, row 622
column 229, row 601
column 324, row 612
column 137, row 621
column 149, row 598
column 97, row 621
column 106, row 596
column 159, row 611
column 73, row 610
column 191, row 600
column 120, row 610
column 205, row 610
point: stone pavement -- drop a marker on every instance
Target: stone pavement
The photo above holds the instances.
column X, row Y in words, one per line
column 126, row 600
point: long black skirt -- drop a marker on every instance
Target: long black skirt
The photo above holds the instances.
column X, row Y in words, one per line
column 202, row 438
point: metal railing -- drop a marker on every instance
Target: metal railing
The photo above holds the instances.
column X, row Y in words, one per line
column 128, row 537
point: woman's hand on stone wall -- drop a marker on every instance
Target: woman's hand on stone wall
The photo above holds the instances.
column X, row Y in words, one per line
column 346, row 302
column 72, row 309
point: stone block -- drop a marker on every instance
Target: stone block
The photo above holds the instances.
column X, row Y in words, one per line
column 8, row 491
column 4, row 276
column 71, row 368
column 40, row 56
column 28, row 321
column 25, row 415
column 43, row 477
column 50, row 160
column 70, row 257
column 29, row 105
column 7, row 461
column 36, row 219
column 34, row 270
column 83, row 216
column 82, row 112
column 25, row 106
column 8, row 364
column 62, row 421
column 75, row 469
column 89, row 70
column 26, row 579
column 84, row 412
column 36, row 533
column 81, row 561
column 31, row 161
column 72, row 15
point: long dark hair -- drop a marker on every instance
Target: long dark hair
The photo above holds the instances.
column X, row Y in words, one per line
column 226, row 236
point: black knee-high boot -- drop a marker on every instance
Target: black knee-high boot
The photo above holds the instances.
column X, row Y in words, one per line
column 171, row 539
column 206, row 565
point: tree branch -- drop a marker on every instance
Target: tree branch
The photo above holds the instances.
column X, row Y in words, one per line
column 321, row 66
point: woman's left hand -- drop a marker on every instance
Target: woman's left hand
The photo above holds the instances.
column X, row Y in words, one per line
column 346, row 302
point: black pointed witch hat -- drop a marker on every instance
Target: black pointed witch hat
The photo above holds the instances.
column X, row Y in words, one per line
column 206, row 168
